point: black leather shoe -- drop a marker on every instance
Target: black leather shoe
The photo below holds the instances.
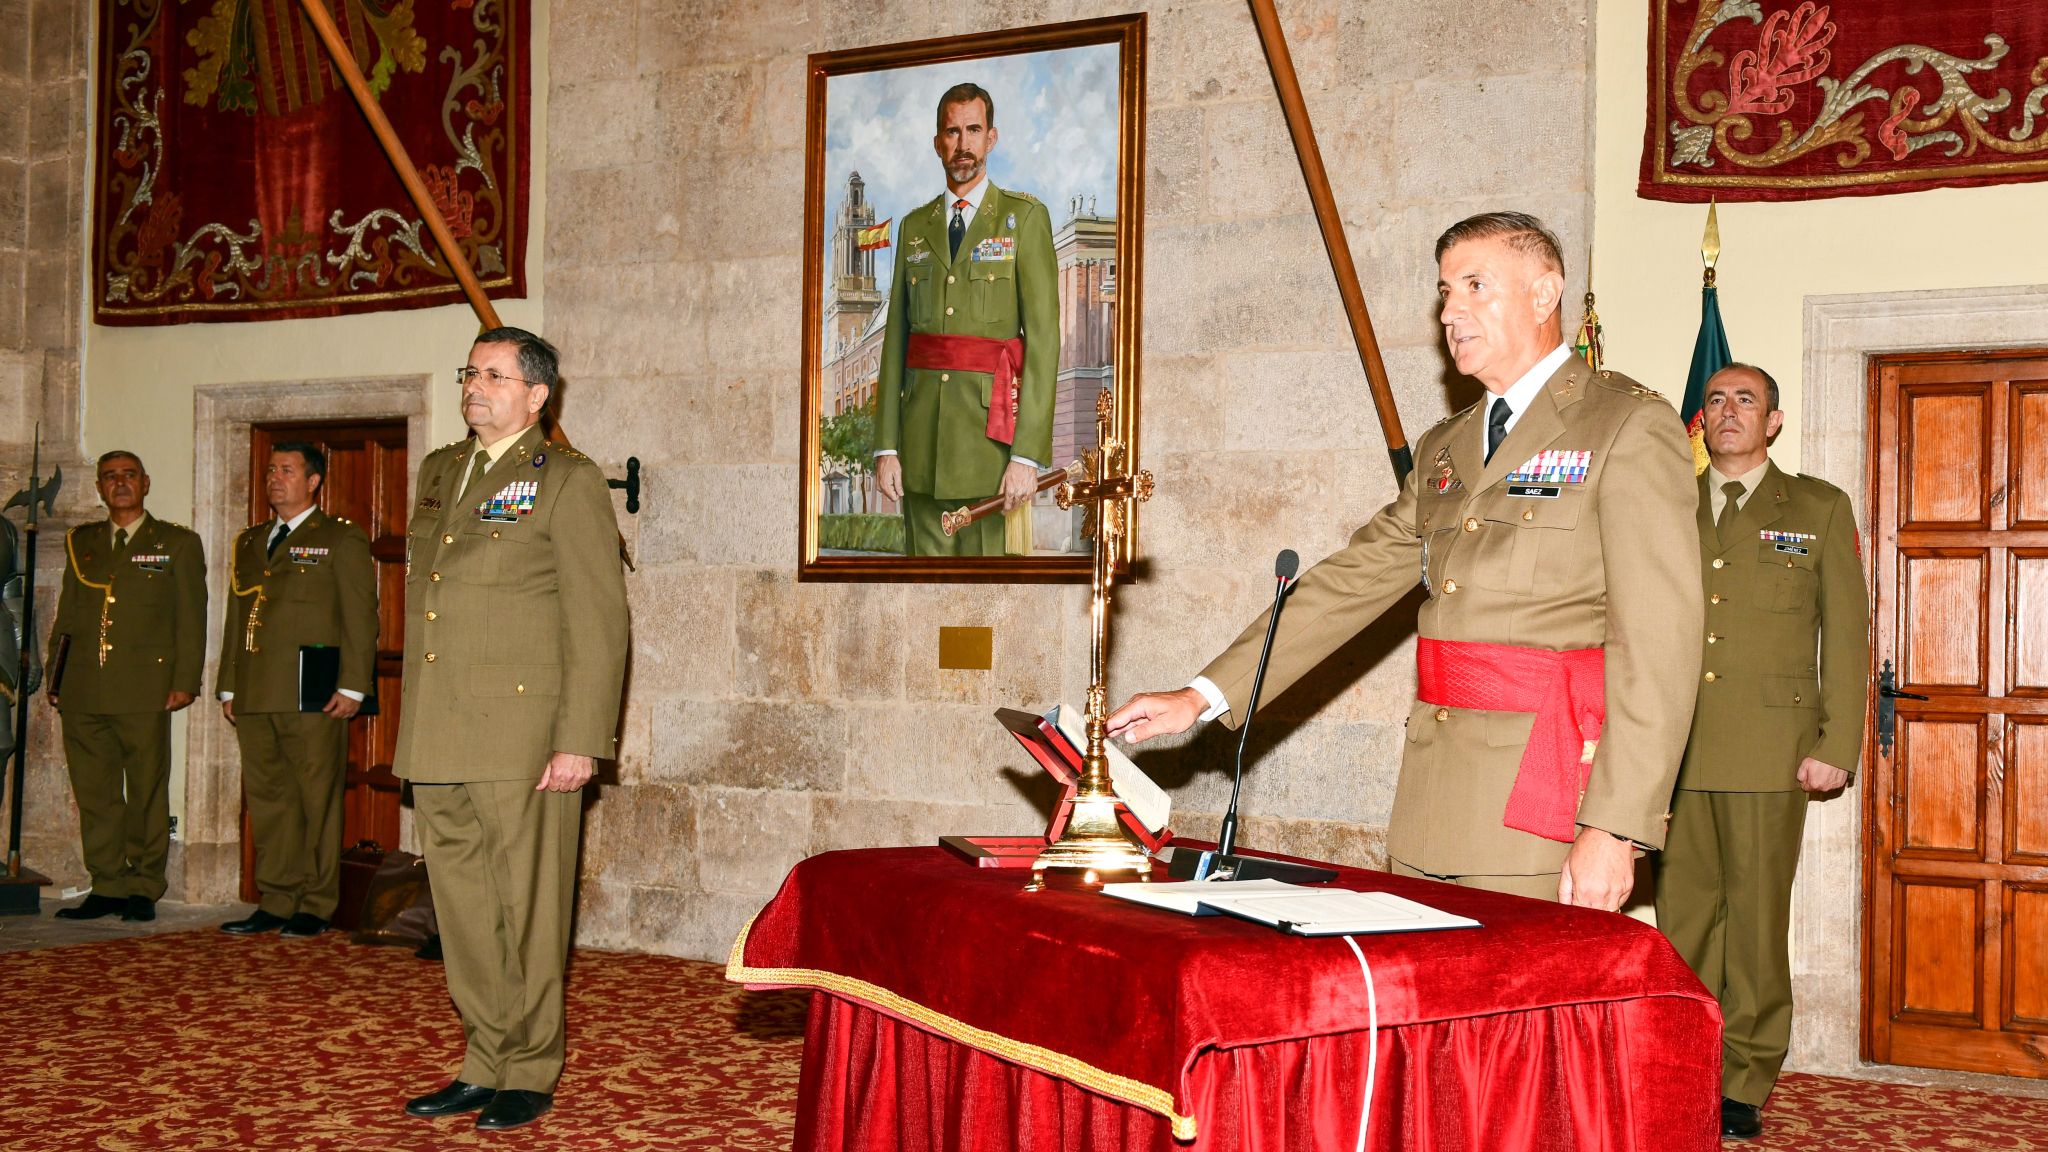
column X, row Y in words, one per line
column 512, row 1108
column 92, row 908
column 139, row 908
column 255, row 923
column 302, row 925
column 457, row 1097
column 1739, row 1119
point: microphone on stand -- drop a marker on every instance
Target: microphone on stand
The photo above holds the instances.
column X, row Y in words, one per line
column 1223, row 863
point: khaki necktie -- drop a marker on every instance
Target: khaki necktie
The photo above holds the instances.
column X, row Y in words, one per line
column 476, row 473
column 1732, row 490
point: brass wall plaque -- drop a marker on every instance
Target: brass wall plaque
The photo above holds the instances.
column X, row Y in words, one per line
column 972, row 649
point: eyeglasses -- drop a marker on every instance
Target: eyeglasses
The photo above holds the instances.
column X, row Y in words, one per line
column 465, row 375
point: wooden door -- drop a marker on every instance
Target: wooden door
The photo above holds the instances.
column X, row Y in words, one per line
column 1956, row 884
column 367, row 473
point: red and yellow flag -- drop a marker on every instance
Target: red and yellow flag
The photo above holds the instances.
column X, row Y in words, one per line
column 869, row 239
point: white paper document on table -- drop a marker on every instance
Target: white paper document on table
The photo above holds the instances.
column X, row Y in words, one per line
column 1293, row 908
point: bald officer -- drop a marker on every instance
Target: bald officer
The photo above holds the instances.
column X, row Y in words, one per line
column 300, row 579
column 1779, row 719
column 131, row 616
column 1549, row 524
column 515, row 655
column 972, row 349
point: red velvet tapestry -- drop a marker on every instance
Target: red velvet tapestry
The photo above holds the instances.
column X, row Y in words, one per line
column 235, row 178
column 1797, row 100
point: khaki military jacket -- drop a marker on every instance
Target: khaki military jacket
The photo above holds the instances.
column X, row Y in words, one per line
column 1787, row 639
column 1003, row 284
column 515, row 616
column 1606, row 560
column 136, row 618
column 319, row 589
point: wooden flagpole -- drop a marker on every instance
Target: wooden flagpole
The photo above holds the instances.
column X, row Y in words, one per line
column 352, row 75
column 1274, row 41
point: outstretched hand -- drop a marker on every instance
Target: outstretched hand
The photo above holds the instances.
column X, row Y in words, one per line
column 1150, row 714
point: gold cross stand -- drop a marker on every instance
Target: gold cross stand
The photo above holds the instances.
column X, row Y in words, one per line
column 1094, row 842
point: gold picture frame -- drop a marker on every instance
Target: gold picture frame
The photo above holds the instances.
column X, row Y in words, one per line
column 1069, row 110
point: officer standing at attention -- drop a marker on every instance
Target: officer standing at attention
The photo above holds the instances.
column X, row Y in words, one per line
column 972, row 348
column 1779, row 718
column 1555, row 666
column 300, row 579
column 515, row 657
column 131, row 624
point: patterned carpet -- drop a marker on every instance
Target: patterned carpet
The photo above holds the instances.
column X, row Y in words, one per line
column 202, row 1041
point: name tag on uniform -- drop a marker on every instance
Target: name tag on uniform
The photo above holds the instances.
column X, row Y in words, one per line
column 150, row 562
column 510, row 503
column 301, row 554
column 996, row 248
column 1794, row 549
column 1541, row 491
column 1557, row 466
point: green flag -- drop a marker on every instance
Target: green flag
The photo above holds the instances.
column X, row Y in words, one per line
column 1709, row 355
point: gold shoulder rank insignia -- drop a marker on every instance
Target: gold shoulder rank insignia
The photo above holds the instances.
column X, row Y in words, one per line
column 1639, row 390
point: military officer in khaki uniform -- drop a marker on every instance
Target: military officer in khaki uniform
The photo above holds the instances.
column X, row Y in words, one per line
column 131, row 620
column 515, row 657
column 1548, row 524
column 1779, row 718
column 972, row 349
column 300, row 579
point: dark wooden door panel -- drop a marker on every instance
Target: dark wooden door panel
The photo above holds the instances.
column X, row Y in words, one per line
column 367, row 472
column 1956, row 874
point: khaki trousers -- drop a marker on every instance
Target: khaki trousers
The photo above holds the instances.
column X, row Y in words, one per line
column 501, row 858
column 120, row 766
column 923, row 537
column 1724, row 898
column 1542, row 886
column 293, row 768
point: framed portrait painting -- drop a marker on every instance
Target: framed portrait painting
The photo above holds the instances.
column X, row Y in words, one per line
column 971, row 287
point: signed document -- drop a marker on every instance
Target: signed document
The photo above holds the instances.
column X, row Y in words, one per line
column 1293, row 908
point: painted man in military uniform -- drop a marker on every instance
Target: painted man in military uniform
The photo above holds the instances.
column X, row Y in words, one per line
column 131, row 624
column 1779, row 719
column 1549, row 526
column 972, row 348
column 299, row 580
column 515, row 657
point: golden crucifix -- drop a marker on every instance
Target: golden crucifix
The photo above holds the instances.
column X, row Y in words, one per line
column 1094, row 842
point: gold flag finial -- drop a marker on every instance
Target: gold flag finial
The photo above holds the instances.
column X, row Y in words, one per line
column 1710, row 243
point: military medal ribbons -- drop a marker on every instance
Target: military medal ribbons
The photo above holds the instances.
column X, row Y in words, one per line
column 996, row 248
column 1785, row 537
column 1556, row 466
column 301, row 554
column 510, row 502
column 151, row 561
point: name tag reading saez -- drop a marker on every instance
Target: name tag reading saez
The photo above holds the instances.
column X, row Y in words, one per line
column 511, row 502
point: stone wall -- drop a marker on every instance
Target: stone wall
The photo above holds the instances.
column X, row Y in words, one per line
column 769, row 719
column 43, row 59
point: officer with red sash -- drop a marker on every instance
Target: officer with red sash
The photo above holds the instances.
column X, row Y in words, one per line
column 972, row 348
column 1551, row 525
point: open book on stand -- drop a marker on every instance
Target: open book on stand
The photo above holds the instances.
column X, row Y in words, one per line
column 1292, row 907
column 1058, row 741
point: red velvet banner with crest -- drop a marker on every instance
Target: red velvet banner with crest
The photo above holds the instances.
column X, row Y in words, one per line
column 1796, row 100
column 235, row 178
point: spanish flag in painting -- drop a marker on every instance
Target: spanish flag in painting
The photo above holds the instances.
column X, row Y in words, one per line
column 869, row 239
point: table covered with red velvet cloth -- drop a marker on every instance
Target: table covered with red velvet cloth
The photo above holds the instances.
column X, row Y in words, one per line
column 963, row 1012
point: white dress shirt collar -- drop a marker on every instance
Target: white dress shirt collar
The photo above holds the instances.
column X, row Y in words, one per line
column 291, row 525
column 1523, row 391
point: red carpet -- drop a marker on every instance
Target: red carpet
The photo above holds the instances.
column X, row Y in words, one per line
column 202, row 1041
